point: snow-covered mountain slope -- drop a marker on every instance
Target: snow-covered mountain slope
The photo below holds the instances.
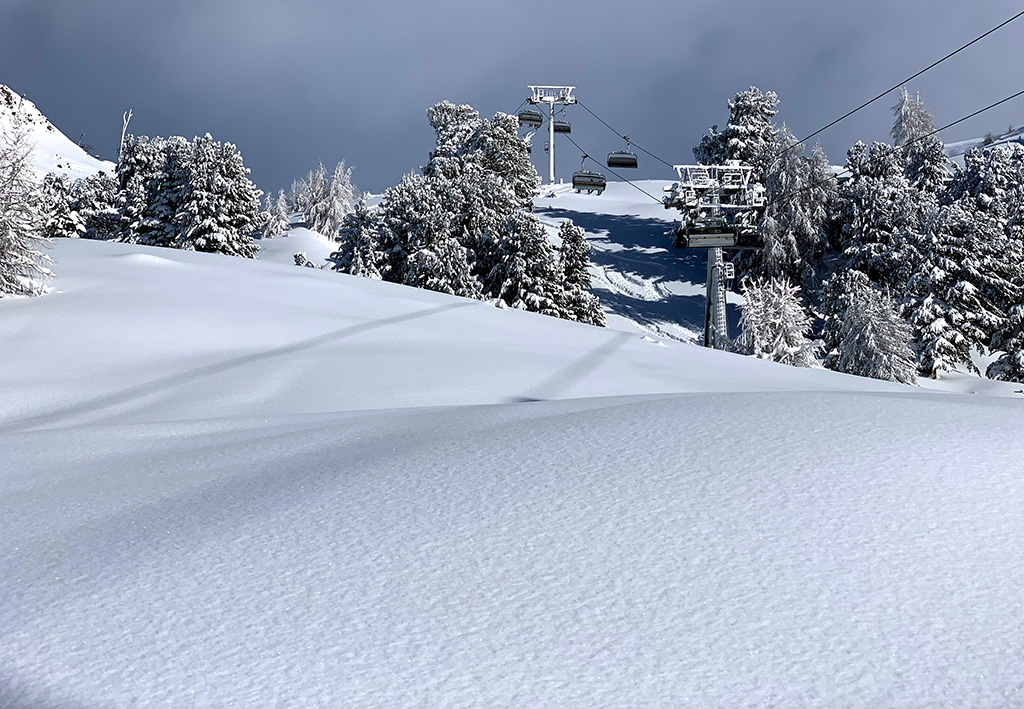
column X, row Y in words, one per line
column 227, row 482
column 282, row 249
column 959, row 148
column 53, row 151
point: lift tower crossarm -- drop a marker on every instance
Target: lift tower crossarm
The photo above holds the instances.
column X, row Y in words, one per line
column 552, row 96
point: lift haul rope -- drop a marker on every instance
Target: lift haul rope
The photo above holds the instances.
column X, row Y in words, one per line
column 787, row 197
column 631, row 142
column 899, row 84
column 586, row 156
column 821, row 130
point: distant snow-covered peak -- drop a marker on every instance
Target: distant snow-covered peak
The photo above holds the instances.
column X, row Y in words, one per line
column 54, row 151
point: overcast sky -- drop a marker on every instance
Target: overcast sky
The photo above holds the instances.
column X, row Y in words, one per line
column 297, row 82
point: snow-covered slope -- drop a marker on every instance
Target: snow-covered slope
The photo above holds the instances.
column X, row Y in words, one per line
column 959, row 148
column 235, row 482
column 643, row 282
column 54, row 151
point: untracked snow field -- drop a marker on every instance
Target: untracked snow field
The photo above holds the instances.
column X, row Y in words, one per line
column 240, row 483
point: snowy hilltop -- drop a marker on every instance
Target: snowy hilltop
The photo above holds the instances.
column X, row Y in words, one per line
column 1014, row 136
column 54, row 151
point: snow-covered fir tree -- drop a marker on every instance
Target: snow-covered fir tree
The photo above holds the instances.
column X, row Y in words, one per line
column 341, row 193
column 950, row 316
column 464, row 225
column 298, row 197
column 140, row 179
column 358, row 252
column 219, row 212
column 749, row 135
column 442, row 266
column 193, row 195
column 863, row 333
column 275, row 221
column 1009, row 342
column 94, row 199
column 527, row 273
column 317, row 209
column 24, row 268
column 774, row 324
column 927, row 166
column 62, row 220
column 799, row 192
column 574, row 260
column 876, row 211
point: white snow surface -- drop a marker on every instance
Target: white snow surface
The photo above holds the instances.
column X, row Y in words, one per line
column 52, row 150
column 233, row 482
column 282, row 249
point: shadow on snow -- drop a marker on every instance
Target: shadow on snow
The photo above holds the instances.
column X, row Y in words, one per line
column 640, row 250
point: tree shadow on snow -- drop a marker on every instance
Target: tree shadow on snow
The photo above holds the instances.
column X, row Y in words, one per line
column 633, row 251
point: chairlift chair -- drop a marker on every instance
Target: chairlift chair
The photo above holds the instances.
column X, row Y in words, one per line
column 622, row 158
column 530, row 118
column 588, row 179
column 563, row 127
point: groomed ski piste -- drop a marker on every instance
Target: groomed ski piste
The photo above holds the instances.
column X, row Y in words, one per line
column 242, row 483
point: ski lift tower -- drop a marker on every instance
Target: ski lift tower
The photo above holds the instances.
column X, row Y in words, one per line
column 552, row 96
column 720, row 207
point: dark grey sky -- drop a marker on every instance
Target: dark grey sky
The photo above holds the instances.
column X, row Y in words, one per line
column 293, row 83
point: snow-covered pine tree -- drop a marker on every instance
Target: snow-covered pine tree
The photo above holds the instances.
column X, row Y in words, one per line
column 407, row 219
column 298, row 197
column 276, row 221
column 949, row 314
column 358, row 252
column 443, row 266
column 749, row 136
column 794, row 222
column 877, row 211
column 526, row 271
column 580, row 303
column 317, row 211
column 341, row 192
column 23, row 267
column 863, row 333
column 483, row 170
column 94, row 198
column 1009, row 341
column 926, row 164
column 140, row 174
column 821, row 196
column 62, row 220
column 219, row 213
column 774, row 324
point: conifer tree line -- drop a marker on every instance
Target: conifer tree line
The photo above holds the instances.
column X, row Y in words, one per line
column 907, row 265
column 323, row 202
column 172, row 192
column 464, row 225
